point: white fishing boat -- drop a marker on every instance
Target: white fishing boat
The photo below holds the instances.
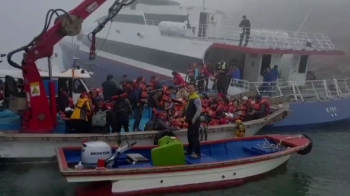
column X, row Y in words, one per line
column 149, row 170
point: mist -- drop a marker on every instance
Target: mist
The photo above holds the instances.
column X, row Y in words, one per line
column 21, row 20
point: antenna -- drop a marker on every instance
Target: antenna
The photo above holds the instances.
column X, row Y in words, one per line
column 203, row 3
column 305, row 19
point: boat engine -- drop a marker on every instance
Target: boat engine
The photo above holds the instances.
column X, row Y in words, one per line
column 95, row 150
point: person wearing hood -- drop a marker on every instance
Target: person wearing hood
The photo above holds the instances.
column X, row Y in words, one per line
column 109, row 88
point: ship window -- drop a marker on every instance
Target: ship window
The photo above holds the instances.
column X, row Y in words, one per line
column 78, row 87
column 135, row 19
column 303, row 63
column 155, row 19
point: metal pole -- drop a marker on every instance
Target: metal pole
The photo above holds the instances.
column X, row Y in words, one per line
column 306, row 17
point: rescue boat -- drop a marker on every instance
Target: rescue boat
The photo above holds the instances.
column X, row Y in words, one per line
column 137, row 170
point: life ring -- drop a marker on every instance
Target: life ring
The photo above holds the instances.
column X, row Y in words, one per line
column 308, row 149
column 161, row 134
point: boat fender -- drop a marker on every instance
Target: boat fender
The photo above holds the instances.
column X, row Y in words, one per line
column 161, row 134
column 240, row 129
column 308, row 149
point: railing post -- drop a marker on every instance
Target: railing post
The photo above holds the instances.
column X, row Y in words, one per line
column 346, row 85
column 313, row 87
column 257, row 89
column 337, row 87
column 294, row 93
column 278, row 87
column 326, row 88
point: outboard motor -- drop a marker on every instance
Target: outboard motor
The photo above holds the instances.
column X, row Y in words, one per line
column 111, row 162
column 93, row 151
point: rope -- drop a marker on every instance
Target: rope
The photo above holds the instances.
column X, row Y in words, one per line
column 268, row 145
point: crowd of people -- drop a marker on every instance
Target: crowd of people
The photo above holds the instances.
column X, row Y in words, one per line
column 114, row 106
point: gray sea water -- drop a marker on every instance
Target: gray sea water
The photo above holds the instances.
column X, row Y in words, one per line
column 324, row 172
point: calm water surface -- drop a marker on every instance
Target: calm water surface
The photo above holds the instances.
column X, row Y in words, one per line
column 324, row 172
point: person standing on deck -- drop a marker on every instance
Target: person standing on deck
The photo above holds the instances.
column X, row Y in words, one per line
column 135, row 99
column 193, row 111
column 109, row 88
column 245, row 24
column 221, row 82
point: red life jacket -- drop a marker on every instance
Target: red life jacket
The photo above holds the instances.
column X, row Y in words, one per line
column 263, row 102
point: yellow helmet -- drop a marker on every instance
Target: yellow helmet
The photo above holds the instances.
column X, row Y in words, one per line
column 238, row 122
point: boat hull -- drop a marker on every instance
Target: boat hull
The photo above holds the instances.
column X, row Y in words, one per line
column 316, row 113
column 42, row 147
column 196, row 180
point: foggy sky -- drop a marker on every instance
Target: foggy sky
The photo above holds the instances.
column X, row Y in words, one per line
column 21, row 20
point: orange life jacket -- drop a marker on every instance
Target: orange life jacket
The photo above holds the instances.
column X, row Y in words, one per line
column 152, row 85
column 165, row 101
column 263, row 102
column 244, row 110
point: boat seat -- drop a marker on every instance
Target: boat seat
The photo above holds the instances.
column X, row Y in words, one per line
column 260, row 151
column 136, row 158
column 204, row 159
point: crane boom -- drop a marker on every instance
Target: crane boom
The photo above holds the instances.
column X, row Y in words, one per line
column 40, row 116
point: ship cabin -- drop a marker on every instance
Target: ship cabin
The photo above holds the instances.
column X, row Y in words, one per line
column 72, row 78
column 290, row 51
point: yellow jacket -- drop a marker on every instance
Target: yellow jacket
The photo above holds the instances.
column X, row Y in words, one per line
column 82, row 110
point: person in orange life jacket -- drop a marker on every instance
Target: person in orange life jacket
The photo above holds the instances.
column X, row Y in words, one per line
column 245, row 108
column 192, row 114
column 203, row 76
column 135, row 98
column 178, row 79
column 161, row 99
column 154, row 84
column 97, row 98
column 191, row 72
column 261, row 108
column 124, row 80
column 109, row 88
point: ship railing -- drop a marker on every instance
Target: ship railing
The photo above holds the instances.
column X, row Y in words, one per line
column 311, row 90
column 259, row 37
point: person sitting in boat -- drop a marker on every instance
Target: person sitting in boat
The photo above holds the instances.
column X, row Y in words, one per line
column 244, row 108
column 82, row 114
column 261, row 107
column 161, row 99
column 102, row 119
column 109, row 88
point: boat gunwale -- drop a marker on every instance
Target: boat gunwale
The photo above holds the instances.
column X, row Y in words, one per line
column 53, row 137
column 68, row 172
